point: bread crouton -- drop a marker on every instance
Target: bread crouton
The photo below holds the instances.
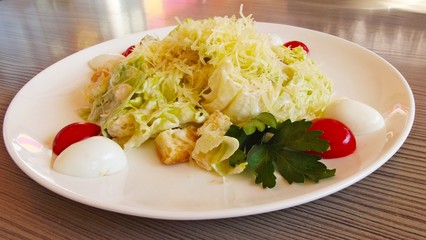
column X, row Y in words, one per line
column 217, row 122
column 176, row 145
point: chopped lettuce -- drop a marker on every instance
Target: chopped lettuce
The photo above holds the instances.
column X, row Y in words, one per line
column 213, row 149
column 212, row 152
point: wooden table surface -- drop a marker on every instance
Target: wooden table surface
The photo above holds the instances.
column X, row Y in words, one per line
column 388, row 204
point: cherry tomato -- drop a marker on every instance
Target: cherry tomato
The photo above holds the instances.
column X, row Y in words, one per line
column 128, row 51
column 73, row 133
column 294, row 44
column 339, row 136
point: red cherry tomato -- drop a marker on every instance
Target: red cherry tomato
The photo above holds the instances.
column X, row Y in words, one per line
column 128, row 51
column 339, row 136
column 294, row 44
column 73, row 133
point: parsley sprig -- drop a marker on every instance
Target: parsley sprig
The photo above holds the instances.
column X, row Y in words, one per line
column 267, row 146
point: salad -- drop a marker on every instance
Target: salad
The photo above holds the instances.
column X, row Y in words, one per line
column 221, row 63
column 219, row 93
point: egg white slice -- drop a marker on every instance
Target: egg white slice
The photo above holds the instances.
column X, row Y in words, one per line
column 360, row 118
column 91, row 157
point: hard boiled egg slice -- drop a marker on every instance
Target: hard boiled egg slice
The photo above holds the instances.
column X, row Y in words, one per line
column 359, row 117
column 91, row 157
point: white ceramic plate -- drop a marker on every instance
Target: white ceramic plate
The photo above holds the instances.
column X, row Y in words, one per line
column 149, row 189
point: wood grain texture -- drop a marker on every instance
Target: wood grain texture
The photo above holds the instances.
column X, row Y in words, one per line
column 388, row 204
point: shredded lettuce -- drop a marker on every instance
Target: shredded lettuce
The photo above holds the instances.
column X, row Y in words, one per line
column 220, row 63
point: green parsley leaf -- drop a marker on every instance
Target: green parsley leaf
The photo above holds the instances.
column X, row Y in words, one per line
column 254, row 125
column 258, row 159
column 259, row 123
column 238, row 157
column 295, row 135
column 268, row 119
column 287, row 151
column 298, row 166
column 238, row 133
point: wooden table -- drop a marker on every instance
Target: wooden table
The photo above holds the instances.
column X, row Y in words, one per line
column 388, row 204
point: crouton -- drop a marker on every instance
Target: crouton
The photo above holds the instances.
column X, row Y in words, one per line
column 176, row 145
column 217, row 122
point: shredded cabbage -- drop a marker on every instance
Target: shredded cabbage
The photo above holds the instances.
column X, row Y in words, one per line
column 220, row 63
